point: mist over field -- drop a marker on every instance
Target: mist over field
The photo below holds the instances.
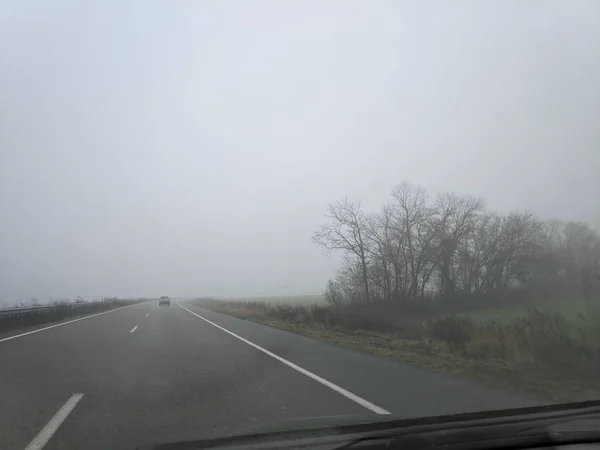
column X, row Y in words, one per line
column 193, row 149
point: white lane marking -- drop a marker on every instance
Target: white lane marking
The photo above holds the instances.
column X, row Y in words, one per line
column 340, row 390
column 48, row 431
column 66, row 323
column 147, row 314
column 133, row 329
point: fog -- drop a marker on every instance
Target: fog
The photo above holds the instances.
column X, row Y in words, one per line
column 192, row 148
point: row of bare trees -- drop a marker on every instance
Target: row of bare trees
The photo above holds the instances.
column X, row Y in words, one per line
column 451, row 246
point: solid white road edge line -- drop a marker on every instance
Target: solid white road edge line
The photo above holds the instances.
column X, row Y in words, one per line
column 340, row 390
column 133, row 329
column 66, row 323
column 48, row 431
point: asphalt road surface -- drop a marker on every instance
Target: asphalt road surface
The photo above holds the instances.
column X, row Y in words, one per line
column 145, row 375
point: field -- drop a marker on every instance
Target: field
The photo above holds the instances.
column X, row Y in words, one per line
column 316, row 299
column 571, row 309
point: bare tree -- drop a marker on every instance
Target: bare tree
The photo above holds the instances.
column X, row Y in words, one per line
column 412, row 222
column 383, row 253
column 454, row 219
column 346, row 230
column 452, row 246
column 333, row 293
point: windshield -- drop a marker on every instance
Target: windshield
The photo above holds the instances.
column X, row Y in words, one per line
column 224, row 218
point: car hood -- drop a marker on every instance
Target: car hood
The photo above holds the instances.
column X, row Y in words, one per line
column 520, row 427
column 304, row 423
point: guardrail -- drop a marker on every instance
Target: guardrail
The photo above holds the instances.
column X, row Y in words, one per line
column 44, row 308
column 11, row 318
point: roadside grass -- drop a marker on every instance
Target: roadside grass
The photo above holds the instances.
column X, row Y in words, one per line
column 537, row 352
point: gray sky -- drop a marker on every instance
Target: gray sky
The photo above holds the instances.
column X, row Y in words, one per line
column 191, row 148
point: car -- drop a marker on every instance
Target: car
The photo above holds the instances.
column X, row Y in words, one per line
column 164, row 300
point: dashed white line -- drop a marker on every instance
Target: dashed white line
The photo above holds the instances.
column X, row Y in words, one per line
column 48, row 431
column 340, row 390
column 133, row 329
column 147, row 314
column 66, row 323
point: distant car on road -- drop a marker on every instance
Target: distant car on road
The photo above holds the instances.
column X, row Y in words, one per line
column 164, row 300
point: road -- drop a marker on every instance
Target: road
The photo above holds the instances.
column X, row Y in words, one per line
column 145, row 374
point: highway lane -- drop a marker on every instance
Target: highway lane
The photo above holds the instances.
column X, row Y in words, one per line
column 177, row 377
column 174, row 378
column 40, row 371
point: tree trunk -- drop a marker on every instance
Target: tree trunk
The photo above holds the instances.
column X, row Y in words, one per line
column 365, row 279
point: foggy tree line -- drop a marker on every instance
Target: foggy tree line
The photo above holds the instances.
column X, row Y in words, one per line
column 449, row 247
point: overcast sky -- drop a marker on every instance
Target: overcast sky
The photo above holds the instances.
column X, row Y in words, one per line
column 191, row 148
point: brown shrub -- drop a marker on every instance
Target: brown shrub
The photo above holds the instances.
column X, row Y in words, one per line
column 456, row 331
column 545, row 339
